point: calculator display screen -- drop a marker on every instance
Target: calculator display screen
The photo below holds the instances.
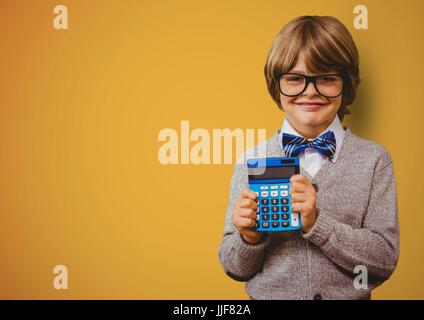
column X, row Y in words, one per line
column 271, row 172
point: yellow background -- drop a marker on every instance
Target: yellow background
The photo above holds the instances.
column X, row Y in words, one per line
column 81, row 110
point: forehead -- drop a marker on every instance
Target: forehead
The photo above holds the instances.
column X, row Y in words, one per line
column 301, row 67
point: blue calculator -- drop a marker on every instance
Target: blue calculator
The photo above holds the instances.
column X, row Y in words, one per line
column 270, row 179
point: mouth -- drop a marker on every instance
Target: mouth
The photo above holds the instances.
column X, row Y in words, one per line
column 311, row 105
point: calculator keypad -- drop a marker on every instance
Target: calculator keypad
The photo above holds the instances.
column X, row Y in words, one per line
column 274, row 209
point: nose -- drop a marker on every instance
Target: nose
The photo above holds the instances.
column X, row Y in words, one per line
column 310, row 89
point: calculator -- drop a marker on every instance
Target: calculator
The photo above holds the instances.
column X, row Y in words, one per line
column 270, row 179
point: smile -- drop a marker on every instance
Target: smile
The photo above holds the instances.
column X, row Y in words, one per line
column 311, row 106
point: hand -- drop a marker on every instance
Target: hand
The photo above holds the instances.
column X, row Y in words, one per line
column 244, row 216
column 303, row 199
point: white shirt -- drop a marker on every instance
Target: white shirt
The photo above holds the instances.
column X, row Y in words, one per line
column 312, row 160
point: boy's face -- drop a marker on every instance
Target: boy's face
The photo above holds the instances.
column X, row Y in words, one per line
column 309, row 113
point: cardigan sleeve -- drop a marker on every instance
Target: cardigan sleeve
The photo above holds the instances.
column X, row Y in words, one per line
column 240, row 260
column 376, row 244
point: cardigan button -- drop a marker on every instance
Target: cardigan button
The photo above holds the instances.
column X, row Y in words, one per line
column 317, row 297
column 315, row 187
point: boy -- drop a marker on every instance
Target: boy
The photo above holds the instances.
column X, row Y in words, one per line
column 345, row 192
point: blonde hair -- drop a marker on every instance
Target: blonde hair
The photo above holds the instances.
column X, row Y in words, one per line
column 326, row 44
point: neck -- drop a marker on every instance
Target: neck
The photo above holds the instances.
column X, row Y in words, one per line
column 309, row 132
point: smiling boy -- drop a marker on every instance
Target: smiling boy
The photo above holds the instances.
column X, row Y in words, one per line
column 345, row 192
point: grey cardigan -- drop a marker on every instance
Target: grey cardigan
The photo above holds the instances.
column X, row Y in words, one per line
column 357, row 225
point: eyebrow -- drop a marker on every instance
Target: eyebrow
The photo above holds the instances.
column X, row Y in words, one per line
column 298, row 71
column 304, row 74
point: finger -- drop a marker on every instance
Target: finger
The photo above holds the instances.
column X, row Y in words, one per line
column 304, row 208
column 243, row 223
column 249, row 194
column 298, row 207
column 299, row 177
column 298, row 197
column 298, row 186
column 251, row 233
column 247, row 203
column 246, row 213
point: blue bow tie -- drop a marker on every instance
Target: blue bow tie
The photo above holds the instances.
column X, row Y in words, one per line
column 295, row 145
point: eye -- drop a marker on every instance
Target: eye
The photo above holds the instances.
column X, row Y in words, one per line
column 327, row 79
column 294, row 78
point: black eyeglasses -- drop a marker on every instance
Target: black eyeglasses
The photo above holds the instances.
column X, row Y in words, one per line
column 327, row 85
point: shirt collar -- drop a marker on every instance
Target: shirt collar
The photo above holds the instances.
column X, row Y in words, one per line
column 335, row 126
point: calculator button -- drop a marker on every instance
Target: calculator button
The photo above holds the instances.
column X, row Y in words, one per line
column 274, row 201
column 264, row 187
column 284, row 224
column 265, row 209
column 257, row 224
column 264, row 194
column 284, row 186
column 285, row 216
column 284, row 193
column 257, row 210
column 257, row 217
column 274, row 193
column 265, row 224
column 274, row 209
column 275, row 224
column 265, row 217
column 295, row 219
column 257, row 193
column 284, row 200
column 284, row 208
column 274, row 216
column 265, row 202
column 274, row 187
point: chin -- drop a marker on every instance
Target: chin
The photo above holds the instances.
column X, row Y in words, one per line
column 310, row 119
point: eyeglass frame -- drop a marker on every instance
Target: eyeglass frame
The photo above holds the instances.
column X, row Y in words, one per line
column 312, row 79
